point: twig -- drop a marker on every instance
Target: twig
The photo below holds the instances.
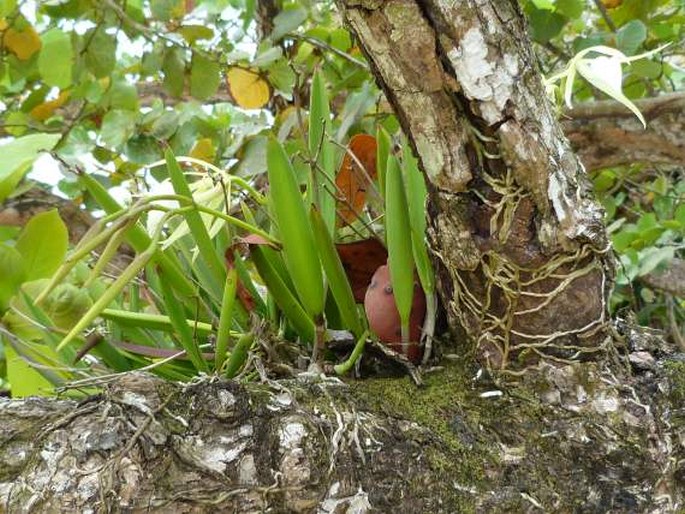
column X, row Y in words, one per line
column 325, row 46
column 610, row 23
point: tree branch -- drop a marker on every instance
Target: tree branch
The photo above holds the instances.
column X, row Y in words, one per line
column 607, row 134
column 378, row 445
column 671, row 280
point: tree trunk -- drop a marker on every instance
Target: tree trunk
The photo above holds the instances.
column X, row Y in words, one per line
column 524, row 262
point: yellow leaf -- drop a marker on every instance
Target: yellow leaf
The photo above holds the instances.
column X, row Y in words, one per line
column 248, row 88
column 42, row 112
column 204, row 150
column 3, row 24
column 23, row 43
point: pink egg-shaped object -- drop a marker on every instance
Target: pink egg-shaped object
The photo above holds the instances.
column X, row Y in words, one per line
column 384, row 319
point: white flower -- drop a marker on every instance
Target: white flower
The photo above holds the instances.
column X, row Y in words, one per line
column 604, row 71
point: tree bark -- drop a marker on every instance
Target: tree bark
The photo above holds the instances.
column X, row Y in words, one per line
column 590, row 437
column 606, row 134
column 516, row 233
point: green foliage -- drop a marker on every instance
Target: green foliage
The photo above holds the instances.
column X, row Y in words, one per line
column 17, row 157
column 55, row 59
column 25, row 380
column 646, row 219
column 290, row 215
column 43, row 244
column 13, row 273
column 204, row 77
column 322, row 151
column 398, row 235
column 335, row 273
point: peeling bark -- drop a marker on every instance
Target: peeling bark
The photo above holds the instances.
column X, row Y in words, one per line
column 590, row 437
column 515, row 230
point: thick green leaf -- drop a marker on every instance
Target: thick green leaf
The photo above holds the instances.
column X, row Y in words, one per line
column 226, row 318
column 335, row 273
column 283, row 297
column 55, row 60
column 239, row 355
column 322, row 149
column 201, row 236
column 43, row 244
column 17, row 157
column 152, row 321
column 294, row 229
column 204, row 77
column 416, row 192
column 398, row 235
column 184, row 333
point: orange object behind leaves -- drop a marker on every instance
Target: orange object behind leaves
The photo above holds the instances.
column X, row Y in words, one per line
column 360, row 260
column 352, row 180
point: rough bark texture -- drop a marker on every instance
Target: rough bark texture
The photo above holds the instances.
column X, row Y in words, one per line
column 605, row 134
column 516, row 233
column 671, row 280
column 588, row 437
